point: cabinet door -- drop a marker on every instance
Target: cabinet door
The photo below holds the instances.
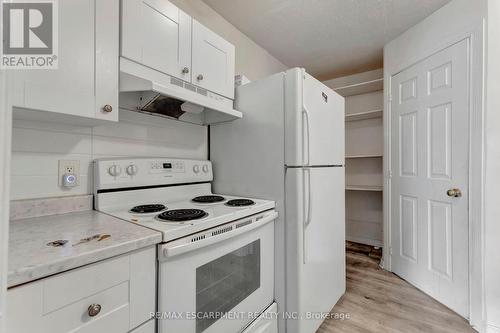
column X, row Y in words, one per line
column 157, row 34
column 70, row 88
column 107, row 62
column 213, row 61
column 88, row 64
column 123, row 286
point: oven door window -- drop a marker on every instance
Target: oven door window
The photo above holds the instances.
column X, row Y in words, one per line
column 224, row 282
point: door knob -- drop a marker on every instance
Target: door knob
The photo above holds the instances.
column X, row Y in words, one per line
column 107, row 108
column 185, row 70
column 454, row 192
column 199, row 77
column 94, row 310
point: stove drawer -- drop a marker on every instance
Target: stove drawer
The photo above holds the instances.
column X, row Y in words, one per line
column 115, row 295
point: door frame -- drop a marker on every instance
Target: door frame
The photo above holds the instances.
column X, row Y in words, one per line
column 474, row 34
column 5, row 152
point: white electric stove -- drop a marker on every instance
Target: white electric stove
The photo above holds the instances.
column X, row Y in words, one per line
column 216, row 260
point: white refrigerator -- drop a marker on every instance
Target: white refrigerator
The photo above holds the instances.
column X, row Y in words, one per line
column 289, row 147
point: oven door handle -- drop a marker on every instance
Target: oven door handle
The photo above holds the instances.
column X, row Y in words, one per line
column 168, row 251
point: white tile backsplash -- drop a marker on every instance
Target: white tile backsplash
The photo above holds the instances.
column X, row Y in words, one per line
column 37, row 148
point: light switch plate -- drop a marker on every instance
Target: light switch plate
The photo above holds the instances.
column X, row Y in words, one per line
column 69, row 167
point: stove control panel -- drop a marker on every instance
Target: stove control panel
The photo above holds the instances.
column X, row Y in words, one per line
column 121, row 173
column 161, row 166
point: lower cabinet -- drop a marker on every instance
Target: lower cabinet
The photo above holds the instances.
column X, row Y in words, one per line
column 113, row 296
column 147, row 327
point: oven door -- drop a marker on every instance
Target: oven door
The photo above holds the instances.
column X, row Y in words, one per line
column 220, row 282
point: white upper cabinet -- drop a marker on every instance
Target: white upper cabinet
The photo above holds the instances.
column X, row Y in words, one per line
column 157, row 34
column 86, row 81
column 213, row 61
column 160, row 36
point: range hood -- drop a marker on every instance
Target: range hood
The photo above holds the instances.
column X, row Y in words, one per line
column 148, row 91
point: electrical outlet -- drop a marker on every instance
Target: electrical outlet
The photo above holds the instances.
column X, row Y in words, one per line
column 69, row 167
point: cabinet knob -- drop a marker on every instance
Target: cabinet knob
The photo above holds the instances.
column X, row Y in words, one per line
column 107, row 108
column 94, row 310
column 185, row 70
column 199, row 77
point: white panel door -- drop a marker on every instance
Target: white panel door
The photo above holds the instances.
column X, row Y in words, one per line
column 213, row 61
column 157, row 34
column 429, row 148
column 315, row 230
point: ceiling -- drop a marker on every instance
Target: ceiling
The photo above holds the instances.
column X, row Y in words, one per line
column 330, row 38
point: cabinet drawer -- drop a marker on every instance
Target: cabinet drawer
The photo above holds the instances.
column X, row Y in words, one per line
column 114, row 313
column 65, row 289
column 61, row 303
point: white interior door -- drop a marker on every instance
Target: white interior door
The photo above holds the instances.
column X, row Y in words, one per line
column 429, row 148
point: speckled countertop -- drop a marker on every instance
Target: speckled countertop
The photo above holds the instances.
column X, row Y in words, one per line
column 30, row 258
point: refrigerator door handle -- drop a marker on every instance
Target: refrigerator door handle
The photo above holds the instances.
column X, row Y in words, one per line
column 308, row 219
column 307, row 209
column 305, row 115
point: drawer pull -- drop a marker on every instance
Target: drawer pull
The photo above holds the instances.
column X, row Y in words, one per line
column 107, row 108
column 94, row 310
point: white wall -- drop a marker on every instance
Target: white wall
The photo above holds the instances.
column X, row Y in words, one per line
column 251, row 59
column 37, row 147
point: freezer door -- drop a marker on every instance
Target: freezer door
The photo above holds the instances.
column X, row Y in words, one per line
column 314, row 122
column 315, row 230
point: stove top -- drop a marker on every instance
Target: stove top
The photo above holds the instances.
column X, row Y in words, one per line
column 172, row 196
column 182, row 216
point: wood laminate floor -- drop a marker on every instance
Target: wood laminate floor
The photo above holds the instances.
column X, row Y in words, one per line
column 379, row 301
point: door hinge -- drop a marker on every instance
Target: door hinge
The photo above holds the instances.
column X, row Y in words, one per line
column 390, row 250
column 390, row 97
column 389, row 174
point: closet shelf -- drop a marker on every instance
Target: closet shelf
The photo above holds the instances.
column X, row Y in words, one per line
column 364, row 115
column 364, row 156
column 373, row 188
column 361, row 88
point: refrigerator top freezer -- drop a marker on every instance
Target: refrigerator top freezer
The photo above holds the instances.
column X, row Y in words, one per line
column 314, row 122
column 289, row 147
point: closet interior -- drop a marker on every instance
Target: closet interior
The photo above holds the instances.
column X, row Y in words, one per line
column 364, row 98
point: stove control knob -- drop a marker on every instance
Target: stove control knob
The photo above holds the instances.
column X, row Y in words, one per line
column 132, row 170
column 205, row 168
column 196, row 168
column 115, row 170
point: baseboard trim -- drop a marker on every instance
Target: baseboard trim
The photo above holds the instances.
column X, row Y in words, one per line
column 490, row 328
